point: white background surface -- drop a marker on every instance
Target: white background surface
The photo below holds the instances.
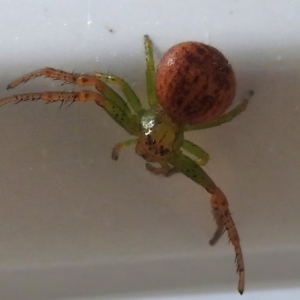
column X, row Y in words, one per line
column 74, row 223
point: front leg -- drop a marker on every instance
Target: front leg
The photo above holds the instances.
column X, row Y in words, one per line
column 106, row 97
column 75, row 78
column 220, row 208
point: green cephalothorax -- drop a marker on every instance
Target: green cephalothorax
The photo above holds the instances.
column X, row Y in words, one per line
column 158, row 136
column 191, row 89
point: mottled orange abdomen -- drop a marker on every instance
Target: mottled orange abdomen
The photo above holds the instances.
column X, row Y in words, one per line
column 194, row 83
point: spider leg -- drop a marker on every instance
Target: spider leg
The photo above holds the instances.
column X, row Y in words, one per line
column 128, row 92
column 150, row 72
column 117, row 148
column 201, row 155
column 47, row 72
column 107, row 98
column 224, row 118
column 50, row 97
column 79, row 79
column 220, row 208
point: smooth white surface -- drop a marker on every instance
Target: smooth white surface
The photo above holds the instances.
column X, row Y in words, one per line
column 74, row 223
column 291, row 294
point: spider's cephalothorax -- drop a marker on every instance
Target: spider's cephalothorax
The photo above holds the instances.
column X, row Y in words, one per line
column 159, row 136
column 193, row 87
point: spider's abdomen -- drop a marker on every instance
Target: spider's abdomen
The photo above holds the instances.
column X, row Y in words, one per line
column 194, row 83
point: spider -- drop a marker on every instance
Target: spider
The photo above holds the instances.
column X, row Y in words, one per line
column 193, row 87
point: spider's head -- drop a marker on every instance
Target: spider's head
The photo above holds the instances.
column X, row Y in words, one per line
column 158, row 135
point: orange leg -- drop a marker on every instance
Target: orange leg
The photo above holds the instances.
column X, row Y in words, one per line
column 220, row 208
column 106, row 97
column 224, row 222
column 94, row 80
column 80, row 79
column 50, row 97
